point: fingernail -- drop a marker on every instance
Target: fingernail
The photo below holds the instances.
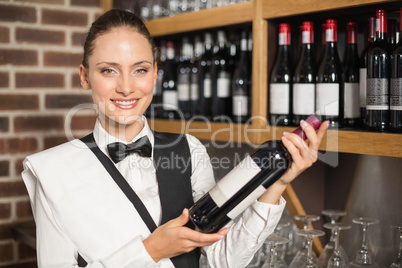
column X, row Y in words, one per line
column 284, row 139
column 286, row 134
column 304, row 123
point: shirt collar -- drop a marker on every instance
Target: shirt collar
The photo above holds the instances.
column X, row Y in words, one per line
column 103, row 138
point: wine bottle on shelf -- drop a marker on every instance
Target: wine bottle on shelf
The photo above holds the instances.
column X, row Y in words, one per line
column 280, row 88
column 304, row 77
column 351, row 77
column 205, row 96
column 396, row 86
column 378, row 77
column 240, row 84
column 169, row 89
column 195, row 76
column 363, row 72
column 221, row 81
column 329, row 87
column 183, row 77
column 323, row 43
column 391, row 32
column 244, row 184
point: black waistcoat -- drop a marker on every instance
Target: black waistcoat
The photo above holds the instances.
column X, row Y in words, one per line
column 172, row 161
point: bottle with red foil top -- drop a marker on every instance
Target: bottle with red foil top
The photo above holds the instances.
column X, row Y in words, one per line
column 280, row 88
column 396, row 87
column 329, row 87
column 378, row 77
column 244, row 184
column 304, row 77
column 363, row 72
column 351, row 74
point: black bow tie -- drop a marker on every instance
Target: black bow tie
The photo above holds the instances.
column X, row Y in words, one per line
column 118, row 151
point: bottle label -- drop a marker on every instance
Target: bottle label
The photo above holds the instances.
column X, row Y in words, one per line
column 230, row 184
column 330, row 35
column 223, row 84
column 327, row 102
column 303, row 98
column 396, row 94
column 194, row 92
column 351, row 100
column 377, row 94
column 363, row 87
column 207, row 88
column 240, row 105
column 183, row 91
column 246, row 202
column 170, row 100
column 279, row 98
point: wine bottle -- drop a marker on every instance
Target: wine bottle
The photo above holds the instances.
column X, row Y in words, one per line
column 351, row 77
column 195, row 76
column 363, row 72
column 244, row 184
column 169, row 89
column 221, row 80
column 205, row 96
column 329, row 87
column 378, row 76
column 304, row 78
column 391, row 32
column 396, row 86
column 183, row 77
column 240, row 84
column 280, row 88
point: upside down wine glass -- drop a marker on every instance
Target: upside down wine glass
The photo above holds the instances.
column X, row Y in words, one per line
column 334, row 216
column 336, row 260
column 301, row 255
column 398, row 262
column 363, row 257
column 274, row 259
column 309, row 235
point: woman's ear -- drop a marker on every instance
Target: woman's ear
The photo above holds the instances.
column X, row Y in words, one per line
column 84, row 79
column 155, row 73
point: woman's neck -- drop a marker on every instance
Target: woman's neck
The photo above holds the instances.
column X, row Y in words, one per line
column 126, row 132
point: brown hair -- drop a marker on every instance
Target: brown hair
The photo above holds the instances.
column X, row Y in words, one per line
column 115, row 18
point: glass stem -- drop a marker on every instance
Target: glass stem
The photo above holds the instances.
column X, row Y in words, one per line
column 309, row 241
column 400, row 244
column 364, row 243
column 336, row 240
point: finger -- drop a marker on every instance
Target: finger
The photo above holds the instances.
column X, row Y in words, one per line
column 291, row 147
column 321, row 131
column 181, row 220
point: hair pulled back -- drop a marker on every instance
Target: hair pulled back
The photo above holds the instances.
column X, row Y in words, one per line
column 111, row 19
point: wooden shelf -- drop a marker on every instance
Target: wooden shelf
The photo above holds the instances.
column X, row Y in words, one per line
column 203, row 19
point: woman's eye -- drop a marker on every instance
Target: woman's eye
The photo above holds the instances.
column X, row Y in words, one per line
column 107, row 71
column 141, row 71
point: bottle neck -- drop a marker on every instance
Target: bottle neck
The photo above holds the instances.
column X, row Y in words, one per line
column 381, row 36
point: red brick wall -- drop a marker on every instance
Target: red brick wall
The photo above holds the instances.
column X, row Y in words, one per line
column 40, row 51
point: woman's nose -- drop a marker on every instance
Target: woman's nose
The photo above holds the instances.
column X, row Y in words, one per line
column 125, row 85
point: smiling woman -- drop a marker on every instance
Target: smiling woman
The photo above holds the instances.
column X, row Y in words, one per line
column 119, row 197
column 121, row 72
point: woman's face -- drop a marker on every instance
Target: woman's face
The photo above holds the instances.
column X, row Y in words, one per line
column 121, row 73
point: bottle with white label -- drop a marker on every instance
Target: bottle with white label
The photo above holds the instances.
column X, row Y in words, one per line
column 329, row 87
column 169, row 86
column 221, row 81
column 205, row 87
column 244, row 184
column 240, row 85
column 184, row 77
column 363, row 72
column 280, row 87
column 304, row 78
column 351, row 75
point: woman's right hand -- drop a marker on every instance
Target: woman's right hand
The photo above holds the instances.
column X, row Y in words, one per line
column 173, row 238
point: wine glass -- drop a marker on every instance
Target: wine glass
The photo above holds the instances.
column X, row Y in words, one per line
column 363, row 257
column 309, row 235
column 274, row 260
column 301, row 255
column 336, row 260
column 334, row 216
column 398, row 262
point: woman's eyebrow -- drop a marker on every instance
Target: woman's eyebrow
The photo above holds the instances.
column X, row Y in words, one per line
column 117, row 64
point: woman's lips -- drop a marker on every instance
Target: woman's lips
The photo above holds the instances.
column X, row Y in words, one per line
column 125, row 104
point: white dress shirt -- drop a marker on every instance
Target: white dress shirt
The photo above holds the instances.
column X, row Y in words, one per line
column 86, row 212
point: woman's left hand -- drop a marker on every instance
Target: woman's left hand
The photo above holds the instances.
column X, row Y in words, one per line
column 304, row 154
